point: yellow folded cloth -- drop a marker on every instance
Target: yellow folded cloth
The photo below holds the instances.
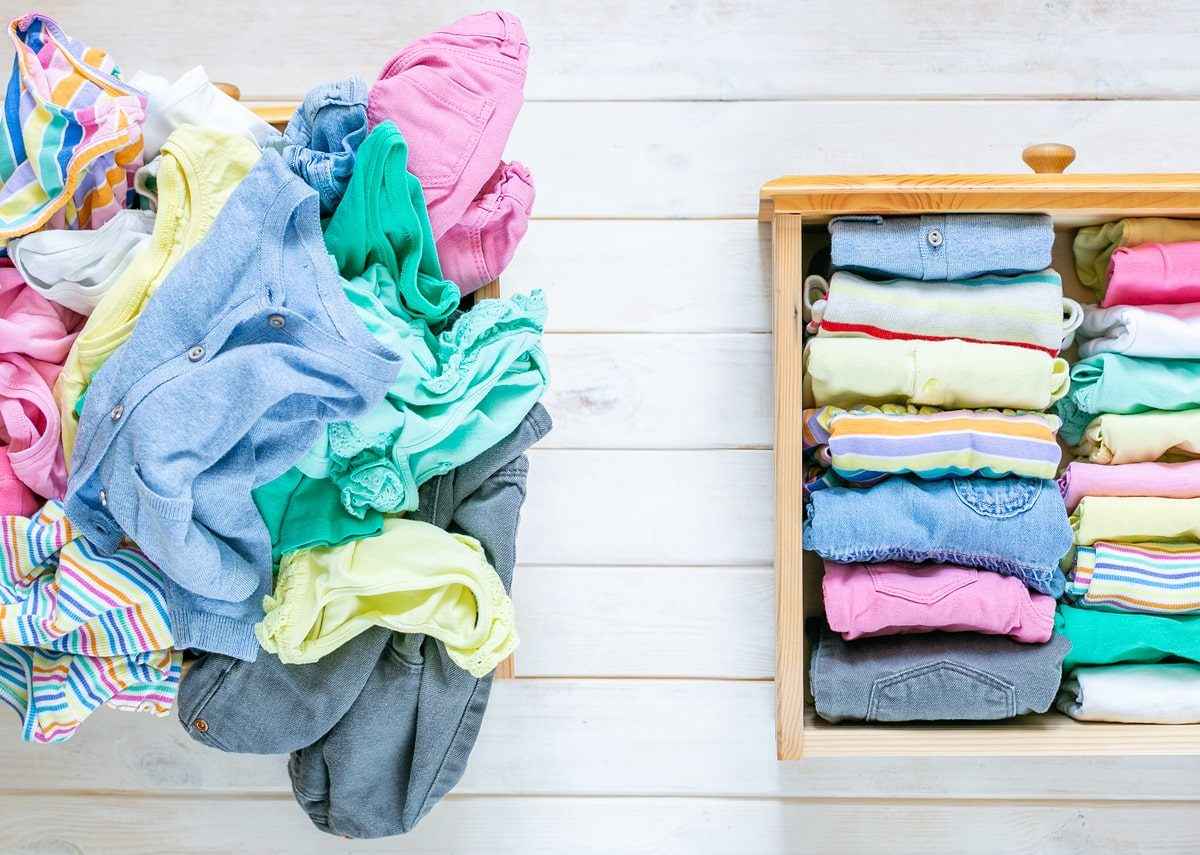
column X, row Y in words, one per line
column 848, row 372
column 1135, row 519
column 413, row 577
column 1142, row 437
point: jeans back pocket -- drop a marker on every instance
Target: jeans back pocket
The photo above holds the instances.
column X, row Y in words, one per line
column 939, row 691
column 924, row 584
column 1001, row 498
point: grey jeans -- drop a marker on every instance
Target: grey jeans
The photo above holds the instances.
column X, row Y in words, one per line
column 933, row 677
column 381, row 728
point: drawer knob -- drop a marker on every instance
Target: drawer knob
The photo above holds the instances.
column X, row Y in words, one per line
column 230, row 90
column 1048, row 157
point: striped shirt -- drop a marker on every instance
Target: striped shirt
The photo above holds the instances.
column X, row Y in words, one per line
column 58, row 592
column 54, row 692
column 869, row 443
column 70, row 133
column 1155, row 578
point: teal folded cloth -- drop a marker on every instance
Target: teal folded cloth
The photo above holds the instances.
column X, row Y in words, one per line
column 1107, row 638
column 1114, row 383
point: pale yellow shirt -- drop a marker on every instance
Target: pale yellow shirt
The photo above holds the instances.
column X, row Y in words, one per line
column 196, row 172
column 1135, row 519
column 1142, row 437
column 850, row 372
column 413, row 577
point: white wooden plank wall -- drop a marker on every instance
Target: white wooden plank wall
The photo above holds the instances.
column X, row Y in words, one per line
column 642, row 717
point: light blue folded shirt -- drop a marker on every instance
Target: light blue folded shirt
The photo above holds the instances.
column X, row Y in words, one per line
column 942, row 246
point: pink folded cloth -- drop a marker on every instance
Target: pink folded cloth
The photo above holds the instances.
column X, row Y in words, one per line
column 30, row 430
column 478, row 248
column 15, row 497
column 894, row 598
column 1165, row 480
column 455, row 95
column 35, row 337
column 32, row 325
column 1154, row 273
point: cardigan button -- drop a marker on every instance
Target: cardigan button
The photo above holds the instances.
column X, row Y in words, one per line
column 201, row 725
column 934, row 237
column 276, row 321
column 196, row 353
column 116, row 412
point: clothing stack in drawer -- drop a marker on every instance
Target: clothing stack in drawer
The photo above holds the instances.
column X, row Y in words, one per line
column 933, row 356
column 1134, row 413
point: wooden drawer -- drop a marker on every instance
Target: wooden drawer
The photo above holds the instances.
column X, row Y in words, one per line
column 798, row 208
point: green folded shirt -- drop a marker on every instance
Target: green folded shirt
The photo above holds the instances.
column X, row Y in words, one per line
column 1105, row 638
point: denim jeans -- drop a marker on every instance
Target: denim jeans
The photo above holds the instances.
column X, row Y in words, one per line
column 1014, row 526
column 934, row 677
column 381, row 728
column 323, row 135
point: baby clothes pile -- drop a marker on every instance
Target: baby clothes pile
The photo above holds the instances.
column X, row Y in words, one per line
column 1133, row 413
column 244, row 413
column 933, row 359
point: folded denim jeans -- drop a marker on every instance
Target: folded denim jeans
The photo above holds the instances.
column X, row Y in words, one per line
column 942, row 246
column 1014, row 526
column 935, row 677
column 382, row 727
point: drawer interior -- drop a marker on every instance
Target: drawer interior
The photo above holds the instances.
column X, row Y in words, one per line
column 802, row 733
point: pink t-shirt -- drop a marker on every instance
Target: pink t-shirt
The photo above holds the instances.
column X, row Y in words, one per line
column 1154, row 273
column 35, row 337
column 895, row 598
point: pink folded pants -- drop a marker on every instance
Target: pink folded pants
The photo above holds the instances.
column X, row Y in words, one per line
column 894, row 598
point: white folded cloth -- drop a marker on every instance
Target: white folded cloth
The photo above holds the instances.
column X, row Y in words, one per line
column 1169, row 332
column 1148, row 694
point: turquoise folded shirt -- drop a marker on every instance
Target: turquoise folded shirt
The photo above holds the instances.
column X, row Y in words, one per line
column 1105, row 638
column 1114, row 383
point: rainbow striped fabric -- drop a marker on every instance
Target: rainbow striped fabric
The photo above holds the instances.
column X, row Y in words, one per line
column 1155, row 578
column 54, row 692
column 70, row 133
column 78, row 628
column 869, row 443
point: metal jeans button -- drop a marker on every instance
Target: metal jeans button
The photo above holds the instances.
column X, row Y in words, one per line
column 934, row 237
column 200, row 725
column 116, row 412
column 196, row 353
column 276, row 321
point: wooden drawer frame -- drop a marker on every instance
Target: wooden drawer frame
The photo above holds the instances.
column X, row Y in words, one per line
column 792, row 202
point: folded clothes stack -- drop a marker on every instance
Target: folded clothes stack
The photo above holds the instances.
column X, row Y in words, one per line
column 245, row 413
column 1133, row 411
column 930, row 493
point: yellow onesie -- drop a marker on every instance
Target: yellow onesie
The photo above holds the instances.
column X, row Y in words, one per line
column 197, row 171
column 413, row 577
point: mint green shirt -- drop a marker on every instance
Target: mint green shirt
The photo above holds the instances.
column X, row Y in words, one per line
column 1115, row 383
